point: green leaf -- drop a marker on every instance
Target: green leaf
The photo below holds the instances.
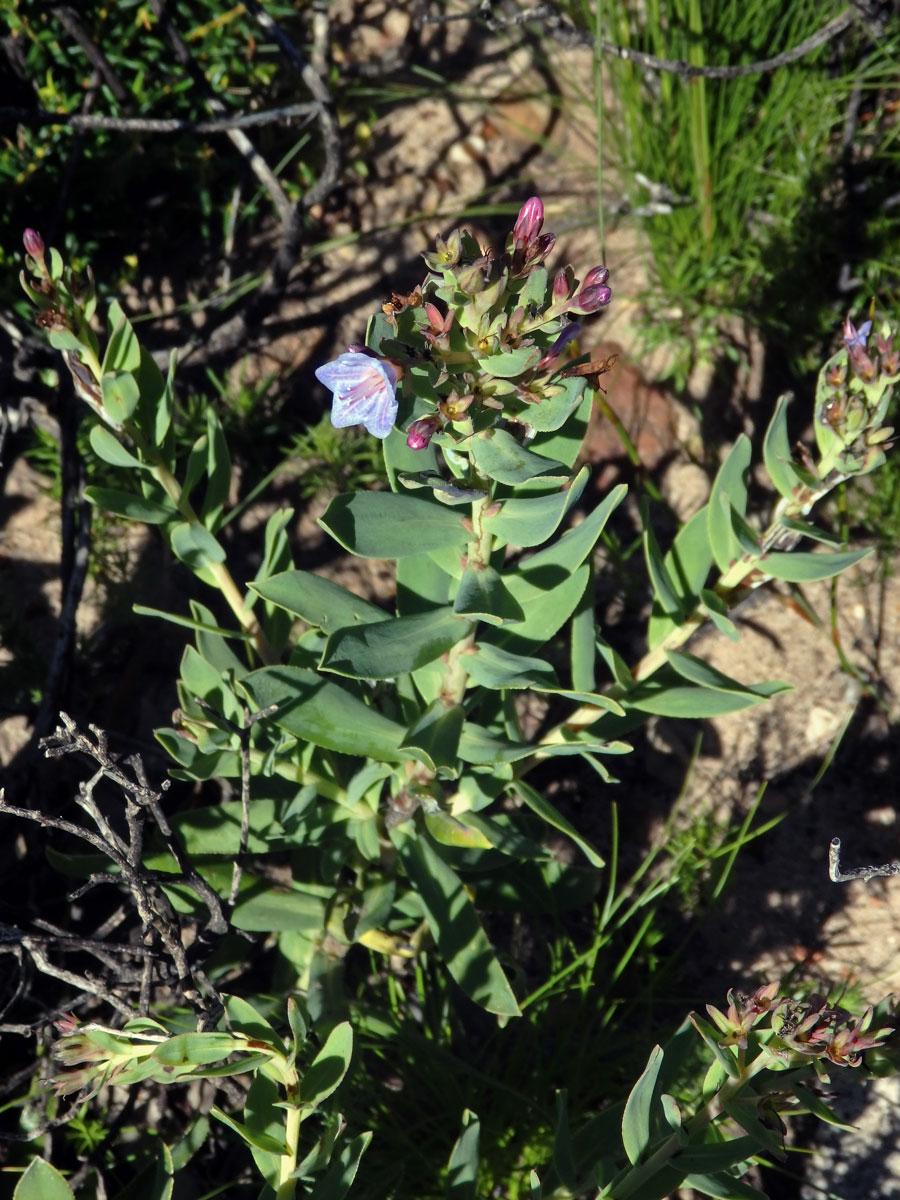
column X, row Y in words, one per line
column 696, row 670
column 717, row 1156
column 436, row 733
column 324, row 1074
column 804, row 567
column 469, row 956
column 665, row 595
column 717, row 611
column 120, row 395
column 666, row 698
column 510, row 363
column 725, row 1187
column 250, row 1022
column 560, row 400
column 341, row 1174
column 134, row 508
column 64, row 339
column 448, row 491
column 195, row 545
column 687, row 564
column 323, row 712
column 462, row 1170
column 729, row 491
column 450, row 831
column 548, row 597
column 157, row 397
column 123, row 351
column 108, row 447
column 777, row 451
column 318, row 601
column 385, row 649
column 218, row 470
column 564, row 444
column 497, row 454
column 638, row 1109
column 496, row 668
column 42, row 1182
column 272, row 911
column 483, row 596
column 261, row 1141
column 531, row 520
column 547, row 812
column 563, row 1156
column 382, row 525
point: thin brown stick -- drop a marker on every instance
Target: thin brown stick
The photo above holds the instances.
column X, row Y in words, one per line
column 556, row 23
column 285, row 115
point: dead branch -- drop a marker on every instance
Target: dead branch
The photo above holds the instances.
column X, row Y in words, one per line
column 286, row 115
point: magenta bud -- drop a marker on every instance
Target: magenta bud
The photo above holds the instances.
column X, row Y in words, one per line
column 562, row 287
column 539, row 249
column 421, row 432
column 34, row 244
column 597, row 275
column 590, row 299
column 529, row 221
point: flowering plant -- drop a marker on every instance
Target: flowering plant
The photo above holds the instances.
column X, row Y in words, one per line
column 388, row 753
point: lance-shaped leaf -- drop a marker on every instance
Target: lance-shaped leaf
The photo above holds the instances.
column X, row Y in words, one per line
column 729, row 491
column 123, row 351
column 804, row 567
column 510, row 363
column 687, row 565
column 342, row 1172
column 328, row 1068
column 723, row 1186
column 385, row 649
column 318, row 601
column 448, row 491
column 777, row 451
column 41, row 1181
column 436, row 733
column 500, row 456
column 126, row 504
column 531, row 520
column 120, row 395
column 324, row 713
column 636, row 1119
column 547, row 812
column 559, row 402
column 483, row 596
column 465, row 947
column 195, row 545
column 108, row 447
column 462, row 1170
column 382, row 525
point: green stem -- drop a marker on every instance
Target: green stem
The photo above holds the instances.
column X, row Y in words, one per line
column 220, row 573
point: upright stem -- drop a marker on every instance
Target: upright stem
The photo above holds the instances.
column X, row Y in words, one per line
column 220, row 573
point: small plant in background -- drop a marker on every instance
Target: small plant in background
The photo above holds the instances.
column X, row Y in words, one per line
column 391, row 756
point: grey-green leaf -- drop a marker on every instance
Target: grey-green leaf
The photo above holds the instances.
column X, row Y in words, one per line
column 639, row 1107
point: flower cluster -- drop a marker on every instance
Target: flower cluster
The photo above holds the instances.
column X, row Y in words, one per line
column 810, row 1028
column 852, row 404
column 483, row 339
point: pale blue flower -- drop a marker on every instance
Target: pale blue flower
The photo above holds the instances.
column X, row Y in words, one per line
column 365, row 392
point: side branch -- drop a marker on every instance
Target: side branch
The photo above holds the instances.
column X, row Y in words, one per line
column 79, row 121
column 555, row 23
column 836, row 875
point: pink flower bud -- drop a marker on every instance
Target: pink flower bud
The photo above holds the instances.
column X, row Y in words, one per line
column 596, row 275
column 562, row 286
column 589, row 299
column 34, row 244
column 421, row 432
column 528, row 223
